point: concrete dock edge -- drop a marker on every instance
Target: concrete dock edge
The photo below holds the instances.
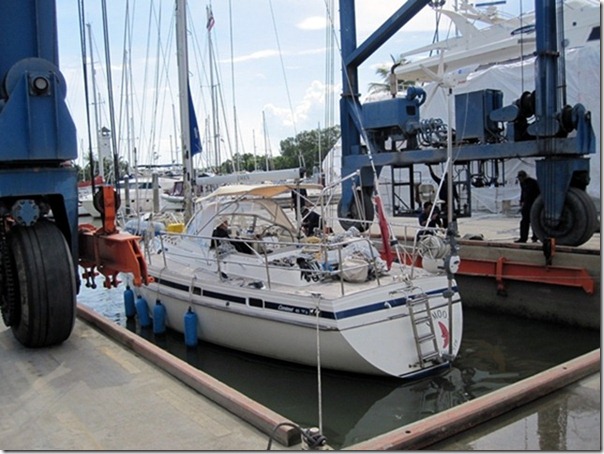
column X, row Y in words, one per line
column 245, row 408
column 433, row 429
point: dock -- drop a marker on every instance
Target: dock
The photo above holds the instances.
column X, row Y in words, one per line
column 93, row 393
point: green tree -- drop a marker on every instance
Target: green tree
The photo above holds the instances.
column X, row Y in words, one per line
column 307, row 149
column 84, row 173
column 247, row 163
column 384, row 72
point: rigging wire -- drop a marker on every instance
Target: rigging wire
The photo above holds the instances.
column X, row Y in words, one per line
column 86, row 96
column 329, row 73
column 110, row 90
column 155, row 98
column 94, row 100
column 317, row 296
column 125, row 90
column 219, row 97
column 164, row 81
column 94, row 50
column 201, row 71
column 142, row 120
column 521, row 50
column 329, row 91
column 355, row 110
column 289, row 100
column 215, row 125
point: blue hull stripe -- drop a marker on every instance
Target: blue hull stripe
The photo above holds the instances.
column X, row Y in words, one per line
column 330, row 315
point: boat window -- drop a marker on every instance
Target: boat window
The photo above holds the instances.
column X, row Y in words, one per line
column 255, row 302
column 222, row 296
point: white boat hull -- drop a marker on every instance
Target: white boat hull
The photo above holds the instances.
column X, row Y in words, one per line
column 172, row 202
column 362, row 335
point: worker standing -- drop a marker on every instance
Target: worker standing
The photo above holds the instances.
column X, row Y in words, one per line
column 529, row 191
column 443, row 195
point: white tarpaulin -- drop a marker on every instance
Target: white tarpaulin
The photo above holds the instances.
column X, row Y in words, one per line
column 582, row 86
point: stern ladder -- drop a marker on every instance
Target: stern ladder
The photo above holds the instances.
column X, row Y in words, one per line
column 423, row 329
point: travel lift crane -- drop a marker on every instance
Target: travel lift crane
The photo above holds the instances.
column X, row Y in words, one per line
column 40, row 244
column 536, row 125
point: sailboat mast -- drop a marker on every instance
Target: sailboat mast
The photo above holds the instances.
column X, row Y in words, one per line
column 266, row 144
column 237, row 161
column 183, row 86
column 209, row 26
column 116, row 170
column 97, row 128
column 174, row 152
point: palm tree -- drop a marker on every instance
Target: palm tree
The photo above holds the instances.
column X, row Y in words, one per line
column 384, row 72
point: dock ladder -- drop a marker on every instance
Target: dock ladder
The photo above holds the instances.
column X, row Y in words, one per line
column 423, row 329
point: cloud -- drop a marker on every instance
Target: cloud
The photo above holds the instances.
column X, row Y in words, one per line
column 312, row 23
column 319, row 50
column 271, row 53
column 305, row 111
column 258, row 55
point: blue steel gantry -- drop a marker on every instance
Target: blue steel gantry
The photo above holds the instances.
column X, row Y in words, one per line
column 41, row 243
column 535, row 125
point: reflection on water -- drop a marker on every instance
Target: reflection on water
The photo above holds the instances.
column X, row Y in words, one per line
column 496, row 350
column 558, row 422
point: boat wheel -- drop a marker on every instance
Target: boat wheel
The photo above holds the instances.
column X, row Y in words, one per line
column 578, row 220
column 41, row 278
column 360, row 214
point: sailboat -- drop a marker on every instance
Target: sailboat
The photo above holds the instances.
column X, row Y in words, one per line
column 320, row 296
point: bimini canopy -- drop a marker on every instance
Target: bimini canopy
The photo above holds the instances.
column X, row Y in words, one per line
column 259, row 190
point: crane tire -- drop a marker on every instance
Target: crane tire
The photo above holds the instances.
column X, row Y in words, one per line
column 578, row 220
column 45, row 284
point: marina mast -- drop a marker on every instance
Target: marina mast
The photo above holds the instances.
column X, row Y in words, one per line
column 183, row 86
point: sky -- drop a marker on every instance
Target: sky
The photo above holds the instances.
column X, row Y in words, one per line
column 271, row 72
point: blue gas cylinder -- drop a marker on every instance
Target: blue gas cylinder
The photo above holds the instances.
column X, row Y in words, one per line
column 159, row 318
column 190, row 328
column 142, row 311
column 129, row 302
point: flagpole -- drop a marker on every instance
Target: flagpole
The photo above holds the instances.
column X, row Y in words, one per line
column 183, row 87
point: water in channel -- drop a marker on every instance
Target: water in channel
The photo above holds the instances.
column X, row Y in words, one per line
column 497, row 350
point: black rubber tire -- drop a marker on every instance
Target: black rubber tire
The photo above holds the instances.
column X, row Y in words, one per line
column 98, row 201
column 577, row 224
column 45, row 285
column 591, row 214
column 362, row 221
